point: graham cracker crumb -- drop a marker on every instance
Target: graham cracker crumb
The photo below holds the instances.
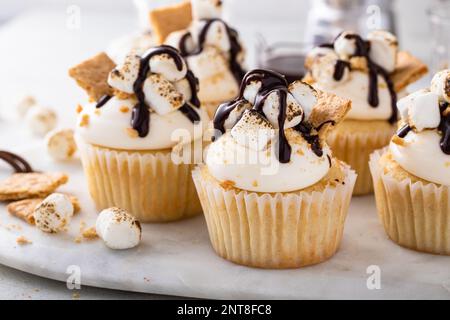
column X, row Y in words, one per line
column 399, row 141
column 124, row 109
column 227, row 184
column 90, row 233
column 23, row 241
column 84, row 122
column 123, row 95
column 79, row 108
column 132, row 133
column 255, row 183
column 97, row 112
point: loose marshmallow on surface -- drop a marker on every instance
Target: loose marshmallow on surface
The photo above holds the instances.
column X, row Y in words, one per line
column 440, row 85
column 271, row 109
column 40, row 120
column 61, row 144
column 345, row 47
column 161, row 95
column 54, row 213
column 253, row 131
column 421, row 109
column 383, row 49
column 123, row 76
column 24, row 104
column 118, row 229
column 206, row 9
column 164, row 65
column 305, row 95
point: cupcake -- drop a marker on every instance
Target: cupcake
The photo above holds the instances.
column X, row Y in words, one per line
column 371, row 73
column 211, row 47
column 412, row 176
column 144, row 118
column 272, row 194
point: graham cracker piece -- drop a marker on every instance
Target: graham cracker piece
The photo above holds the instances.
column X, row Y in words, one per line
column 30, row 185
column 409, row 69
column 24, row 209
column 329, row 111
column 92, row 75
column 166, row 20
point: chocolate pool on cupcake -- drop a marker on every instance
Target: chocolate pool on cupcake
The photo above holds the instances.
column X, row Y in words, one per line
column 271, row 191
column 211, row 47
column 127, row 135
column 372, row 73
column 412, row 176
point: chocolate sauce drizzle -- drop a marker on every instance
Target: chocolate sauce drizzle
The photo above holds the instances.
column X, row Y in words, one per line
column 270, row 82
column 363, row 50
column 140, row 117
column 235, row 47
column 19, row 164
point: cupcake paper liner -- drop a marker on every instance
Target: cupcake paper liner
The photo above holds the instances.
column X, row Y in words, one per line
column 275, row 230
column 147, row 184
column 415, row 215
column 354, row 148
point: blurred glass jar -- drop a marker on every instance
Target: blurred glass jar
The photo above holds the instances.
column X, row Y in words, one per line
column 328, row 18
column 439, row 16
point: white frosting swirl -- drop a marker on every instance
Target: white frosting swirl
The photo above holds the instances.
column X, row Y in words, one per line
column 260, row 171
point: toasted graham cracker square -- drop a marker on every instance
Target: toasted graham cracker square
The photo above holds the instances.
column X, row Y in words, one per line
column 92, row 75
column 409, row 69
column 168, row 19
column 30, row 185
column 24, row 209
column 329, row 110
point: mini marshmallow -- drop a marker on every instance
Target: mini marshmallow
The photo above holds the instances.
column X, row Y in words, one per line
column 217, row 36
column 236, row 114
column 161, row 95
column 54, row 213
column 164, row 65
column 118, row 229
column 440, row 85
column 323, row 71
column 61, row 144
column 317, row 53
column 24, row 105
column 253, row 131
column 41, row 120
column 184, row 88
column 251, row 91
column 383, row 49
column 305, row 95
column 175, row 37
column 345, row 47
column 206, row 9
column 271, row 109
column 209, row 64
column 123, row 76
column 421, row 110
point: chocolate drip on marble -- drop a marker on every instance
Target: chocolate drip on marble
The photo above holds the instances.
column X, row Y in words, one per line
column 270, row 82
column 235, row 47
column 19, row 164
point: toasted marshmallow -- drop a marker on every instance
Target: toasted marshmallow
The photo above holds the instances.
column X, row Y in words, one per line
column 317, row 53
column 236, row 114
column 161, row 95
column 184, row 88
column 209, row 64
column 164, row 65
column 175, row 37
column 61, row 144
column 421, row 110
column 118, row 229
column 251, row 91
column 440, row 85
column 41, row 120
column 123, row 76
column 305, row 95
column 323, row 71
column 54, row 213
column 345, row 47
column 206, row 9
column 253, row 131
column 217, row 36
column 24, row 104
column 383, row 49
column 271, row 109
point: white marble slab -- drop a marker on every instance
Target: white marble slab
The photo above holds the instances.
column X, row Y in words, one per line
column 177, row 258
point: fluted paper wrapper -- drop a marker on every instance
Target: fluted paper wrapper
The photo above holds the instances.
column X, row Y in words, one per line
column 415, row 215
column 147, row 184
column 275, row 230
column 355, row 148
